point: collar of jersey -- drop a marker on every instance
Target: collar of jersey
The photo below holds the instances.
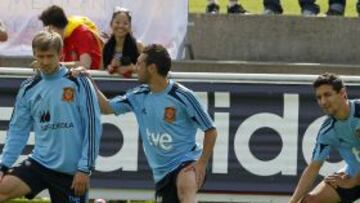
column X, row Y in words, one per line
column 59, row 73
column 166, row 90
column 351, row 113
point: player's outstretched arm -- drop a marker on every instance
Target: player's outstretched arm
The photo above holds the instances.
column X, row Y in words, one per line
column 103, row 102
column 307, row 179
column 208, row 147
column 19, row 130
column 102, row 99
column 90, row 114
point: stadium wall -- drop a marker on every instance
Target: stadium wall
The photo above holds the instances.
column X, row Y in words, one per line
column 331, row 40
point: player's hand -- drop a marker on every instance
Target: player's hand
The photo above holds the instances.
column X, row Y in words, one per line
column 199, row 169
column 80, row 183
column 333, row 179
column 340, row 180
column 81, row 70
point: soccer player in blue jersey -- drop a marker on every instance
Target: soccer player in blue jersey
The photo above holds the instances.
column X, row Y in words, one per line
column 64, row 114
column 340, row 131
column 169, row 115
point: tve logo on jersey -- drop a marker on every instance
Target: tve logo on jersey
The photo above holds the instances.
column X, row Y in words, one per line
column 162, row 141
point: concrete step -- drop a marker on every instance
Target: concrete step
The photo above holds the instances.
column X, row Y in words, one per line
column 293, row 39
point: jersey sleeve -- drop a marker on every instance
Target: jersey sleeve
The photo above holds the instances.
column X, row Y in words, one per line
column 321, row 152
column 196, row 111
column 121, row 104
column 19, row 130
column 323, row 145
column 90, row 114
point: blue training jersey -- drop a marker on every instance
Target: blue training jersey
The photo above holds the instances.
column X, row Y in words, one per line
column 168, row 122
column 342, row 135
column 64, row 114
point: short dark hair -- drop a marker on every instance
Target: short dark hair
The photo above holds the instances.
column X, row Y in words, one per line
column 55, row 16
column 47, row 40
column 329, row 79
column 158, row 55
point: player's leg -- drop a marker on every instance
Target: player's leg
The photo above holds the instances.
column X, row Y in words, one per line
column 174, row 188
column 12, row 187
column 59, row 185
column 322, row 193
column 166, row 191
column 186, row 186
column 21, row 180
column 57, row 195
column 60, row 191
column 349, row 194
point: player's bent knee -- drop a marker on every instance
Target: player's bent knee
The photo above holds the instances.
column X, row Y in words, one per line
column 4, row 197
column 186, row 186
column 181, row 190
column 310, row 199
column 186, row 192
column 12, row 187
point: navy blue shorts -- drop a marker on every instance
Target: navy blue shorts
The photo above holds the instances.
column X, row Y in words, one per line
column 39, row 178
column 348, row 195
column 166, row 190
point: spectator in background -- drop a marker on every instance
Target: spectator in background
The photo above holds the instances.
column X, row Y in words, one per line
column 82, row 42
column 235, row 7
column 3, row 33
column 337, row 7
column 212, row 7
column 121, row 50
column 308, row 7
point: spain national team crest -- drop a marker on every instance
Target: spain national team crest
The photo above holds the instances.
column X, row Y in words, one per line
column 170, row 114
column 68, row 94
